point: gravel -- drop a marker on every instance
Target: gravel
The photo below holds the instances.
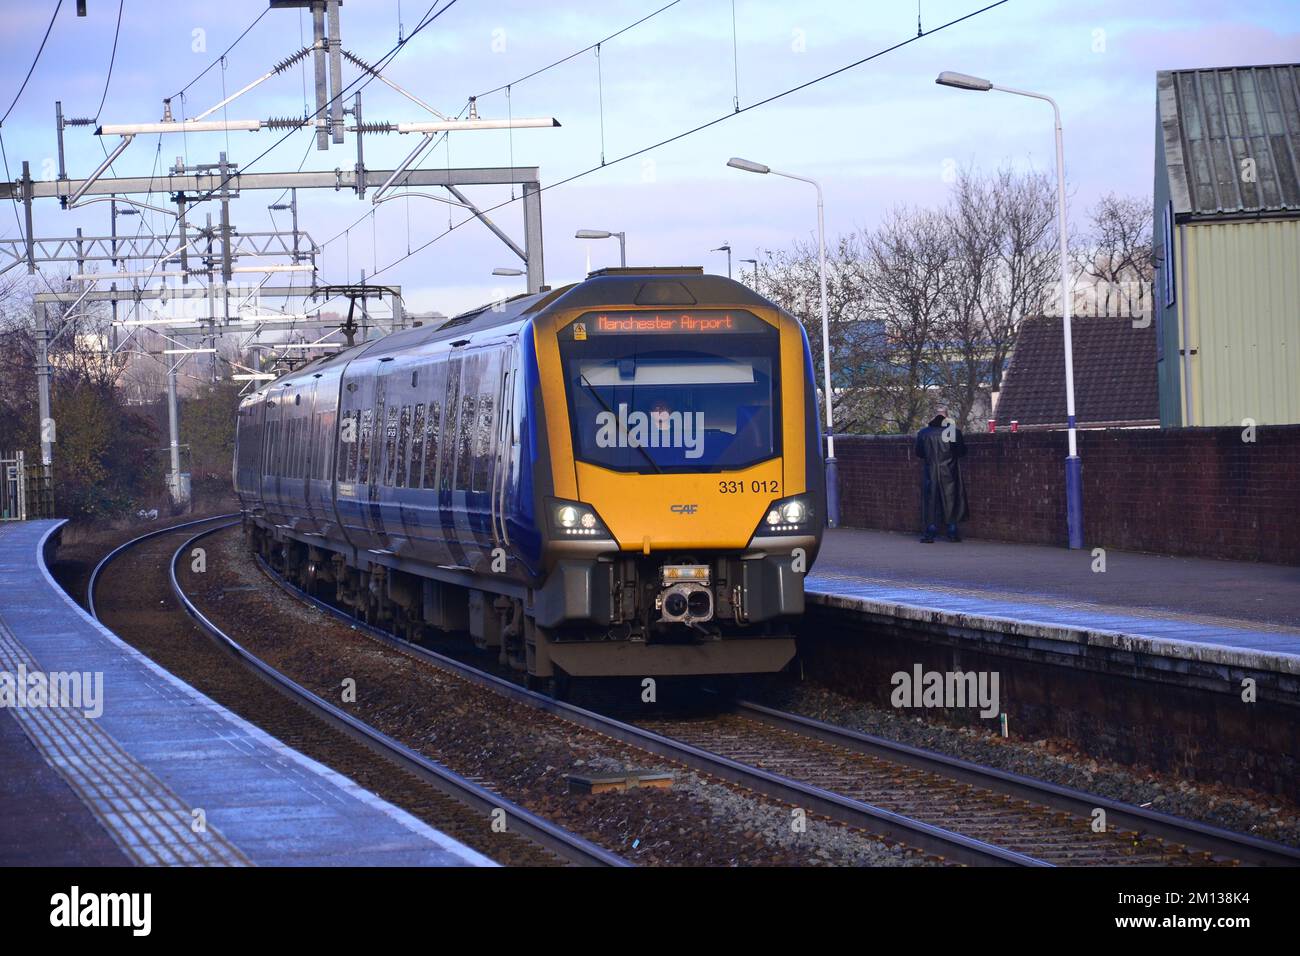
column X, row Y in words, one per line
column 508, row 746
column 1056, row 761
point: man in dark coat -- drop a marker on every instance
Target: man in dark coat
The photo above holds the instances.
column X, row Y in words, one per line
column 939, row 445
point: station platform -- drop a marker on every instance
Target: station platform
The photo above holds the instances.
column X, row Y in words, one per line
column 162, row 775
column 1225, row 613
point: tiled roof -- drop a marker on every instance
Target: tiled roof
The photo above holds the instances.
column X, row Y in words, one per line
column 1232, row 139
column 1114, row 373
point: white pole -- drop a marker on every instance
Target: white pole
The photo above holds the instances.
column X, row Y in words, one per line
column 826, row 322
column 1065, row 284
column 832, row 476
column 1073, row 465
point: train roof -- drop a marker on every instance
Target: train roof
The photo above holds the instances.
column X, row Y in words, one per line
column 675, row 286
column 669, row 286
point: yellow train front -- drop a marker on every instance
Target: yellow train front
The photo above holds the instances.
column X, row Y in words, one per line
column 621, row 477
column 685, row 489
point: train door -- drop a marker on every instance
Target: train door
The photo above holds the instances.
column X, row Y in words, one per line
column 484, row 414
column 506, row 451
column 372, row 513
column 313, row 451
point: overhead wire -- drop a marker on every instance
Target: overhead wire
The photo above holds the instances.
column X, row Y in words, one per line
column 706, row 125
column 32, row 69
column 111, row 59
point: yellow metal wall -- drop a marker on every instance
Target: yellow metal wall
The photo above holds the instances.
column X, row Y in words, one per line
column 1241, row 287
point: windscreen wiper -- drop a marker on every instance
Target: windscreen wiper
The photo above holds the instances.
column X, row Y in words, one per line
column 603, row 404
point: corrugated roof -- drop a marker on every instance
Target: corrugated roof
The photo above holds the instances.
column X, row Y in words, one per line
column 1114, row 373
column 1212, row 121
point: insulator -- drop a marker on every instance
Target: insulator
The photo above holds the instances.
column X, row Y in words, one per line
column 358, row 62
column 79, row 121
column 375, row 128
column 285, row 122
column 291, row 60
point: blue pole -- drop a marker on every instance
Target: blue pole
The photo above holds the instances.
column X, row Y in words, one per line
column 832, row 493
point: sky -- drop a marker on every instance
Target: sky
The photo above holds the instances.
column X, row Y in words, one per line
column 878, row 135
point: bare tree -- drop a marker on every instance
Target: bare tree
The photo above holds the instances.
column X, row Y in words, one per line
column 792, row 280
column 962, row 349
column 1029, row 260
column 1117, row 257
column 904, row 275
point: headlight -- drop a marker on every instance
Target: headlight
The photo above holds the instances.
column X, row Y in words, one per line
column 793, row 515
column 573, row 519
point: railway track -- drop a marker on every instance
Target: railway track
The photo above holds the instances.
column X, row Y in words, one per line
column 1206, row 838
column 1048, row 823
column 444, row 800
column 949, row 808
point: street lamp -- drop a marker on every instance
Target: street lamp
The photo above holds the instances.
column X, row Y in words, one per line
column 725, row 247
column 606, row 234
column 501, row 271
column 1073, row 466
column 754, row 263
column 832, row 476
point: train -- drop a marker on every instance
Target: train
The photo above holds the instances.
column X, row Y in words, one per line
column 621, row 477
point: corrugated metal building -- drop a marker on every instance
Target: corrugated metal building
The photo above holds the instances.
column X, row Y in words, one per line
column 1227, row 245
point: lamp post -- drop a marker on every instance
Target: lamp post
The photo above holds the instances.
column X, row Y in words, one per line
column 1073, row 466
column 606, row 234
column 754, row 263
column 725, row 247
column 832, row 475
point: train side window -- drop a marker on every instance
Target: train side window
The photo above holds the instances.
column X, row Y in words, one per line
column 315, row 450
column 417, row 445
column 346, row 461
column 354, row 446
column 363, row 440
column 390, row 446
column 447, row 435
column 432, row 424
column 316, row 447
column 327, row 443
column 489, row 387
column 403, row 443
column 304, row 446
column 465, row 441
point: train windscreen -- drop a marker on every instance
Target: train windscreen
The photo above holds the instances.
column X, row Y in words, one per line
column 675, row 391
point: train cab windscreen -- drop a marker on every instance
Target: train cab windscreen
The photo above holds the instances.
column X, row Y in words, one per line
column 659, row 392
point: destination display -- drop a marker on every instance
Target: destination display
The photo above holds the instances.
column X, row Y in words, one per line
column 708, row 321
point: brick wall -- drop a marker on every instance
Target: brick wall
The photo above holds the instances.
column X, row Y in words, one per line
column 1190, row 491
